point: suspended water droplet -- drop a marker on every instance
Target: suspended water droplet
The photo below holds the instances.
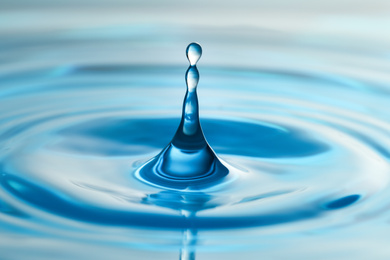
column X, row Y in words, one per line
column 194, row 52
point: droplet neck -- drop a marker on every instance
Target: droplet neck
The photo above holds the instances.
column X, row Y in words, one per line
column 189, row 135
column 187, row 161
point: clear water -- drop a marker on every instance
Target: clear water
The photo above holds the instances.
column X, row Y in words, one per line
column 298, row 122
column 188, row 162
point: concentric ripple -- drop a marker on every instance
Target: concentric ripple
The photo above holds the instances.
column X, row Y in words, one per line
column 307, row 153
column 291, row 159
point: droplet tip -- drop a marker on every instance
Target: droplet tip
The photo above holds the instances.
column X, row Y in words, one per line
column 194, row 52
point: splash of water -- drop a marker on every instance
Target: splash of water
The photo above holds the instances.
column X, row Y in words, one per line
column 187, row 161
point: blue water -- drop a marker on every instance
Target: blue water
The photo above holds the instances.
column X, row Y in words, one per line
column 279, row 151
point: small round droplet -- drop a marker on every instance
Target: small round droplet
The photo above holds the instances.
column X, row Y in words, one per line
column 194, row 52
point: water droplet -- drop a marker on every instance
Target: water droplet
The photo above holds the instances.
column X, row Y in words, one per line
column 188, row 159
column 192, row 78
column 194, row 52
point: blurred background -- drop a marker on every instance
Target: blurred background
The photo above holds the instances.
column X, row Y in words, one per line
column 227, row 29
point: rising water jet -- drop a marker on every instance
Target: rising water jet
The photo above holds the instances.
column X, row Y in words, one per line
column 187, row 161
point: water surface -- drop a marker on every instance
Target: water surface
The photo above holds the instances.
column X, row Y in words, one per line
column 297, row 114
